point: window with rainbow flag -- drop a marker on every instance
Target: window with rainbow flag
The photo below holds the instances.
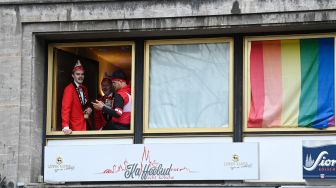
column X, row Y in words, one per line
column 290, row 82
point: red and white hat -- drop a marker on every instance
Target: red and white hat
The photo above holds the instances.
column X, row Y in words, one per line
column 78, row 66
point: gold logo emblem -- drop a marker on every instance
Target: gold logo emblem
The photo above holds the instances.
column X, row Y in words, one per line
column 59, row 160
column 235, row 158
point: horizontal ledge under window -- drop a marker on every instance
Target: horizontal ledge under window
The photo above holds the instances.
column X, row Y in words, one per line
column 289, row 83
column 104, row 72
column 188, row 85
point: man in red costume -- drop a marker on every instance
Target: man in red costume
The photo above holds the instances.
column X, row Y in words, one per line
column 102, row 118
column 75, row 105
column 122, row 106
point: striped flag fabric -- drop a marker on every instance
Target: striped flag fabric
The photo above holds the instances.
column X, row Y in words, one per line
column 292, row 83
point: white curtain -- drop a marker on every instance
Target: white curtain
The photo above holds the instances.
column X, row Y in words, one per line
column 189, row 86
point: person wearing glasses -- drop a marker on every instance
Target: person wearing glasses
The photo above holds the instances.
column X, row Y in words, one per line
column 75, row 103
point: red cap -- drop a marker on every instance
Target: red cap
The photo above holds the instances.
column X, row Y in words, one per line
column 119, row 75
column 78, row 66
column 118, row 79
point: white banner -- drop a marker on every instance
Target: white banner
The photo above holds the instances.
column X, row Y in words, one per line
column 157, row 162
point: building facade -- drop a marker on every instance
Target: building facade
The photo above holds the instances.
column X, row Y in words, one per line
column 30, row 28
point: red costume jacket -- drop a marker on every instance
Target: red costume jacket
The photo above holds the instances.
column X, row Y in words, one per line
column 100, row 118
column 72, row 111
column 125, row 117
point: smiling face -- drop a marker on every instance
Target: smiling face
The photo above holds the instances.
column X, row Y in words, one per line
column 115, row 84
column 78, row 76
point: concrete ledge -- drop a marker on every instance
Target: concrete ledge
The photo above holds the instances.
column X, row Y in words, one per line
column 23, row 2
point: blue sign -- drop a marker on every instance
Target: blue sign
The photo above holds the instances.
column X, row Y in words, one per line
column 319, row 160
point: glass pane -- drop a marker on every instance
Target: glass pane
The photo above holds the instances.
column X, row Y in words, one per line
column 189, row 86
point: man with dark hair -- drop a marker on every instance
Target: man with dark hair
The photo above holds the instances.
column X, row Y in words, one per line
column 75, row 106
column 102, row 118
column 122, row 106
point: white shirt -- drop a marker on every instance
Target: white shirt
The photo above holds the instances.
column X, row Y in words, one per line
column 80, row 91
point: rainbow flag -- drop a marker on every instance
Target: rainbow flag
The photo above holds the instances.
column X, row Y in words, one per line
column 292, row 83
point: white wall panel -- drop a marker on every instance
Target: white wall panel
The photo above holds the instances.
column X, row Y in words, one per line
column 281, row 156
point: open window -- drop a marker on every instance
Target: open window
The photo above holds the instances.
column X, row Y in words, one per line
column 188, row 85
column 290, row 83
column 98, row 59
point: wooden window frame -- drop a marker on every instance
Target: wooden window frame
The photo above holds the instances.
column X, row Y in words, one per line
column 51, row 88
column 247, row 86
column 149, row 43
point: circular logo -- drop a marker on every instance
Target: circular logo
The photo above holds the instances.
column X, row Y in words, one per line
column 235, row 158
column 59, row 160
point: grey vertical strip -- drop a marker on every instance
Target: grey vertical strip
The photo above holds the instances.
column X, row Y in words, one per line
column 45, row 102
column 238, row 50
column 138, row 98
